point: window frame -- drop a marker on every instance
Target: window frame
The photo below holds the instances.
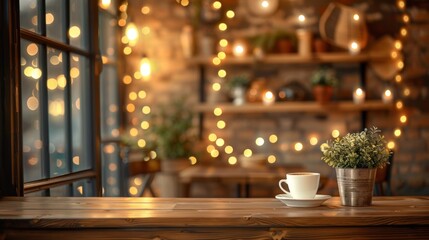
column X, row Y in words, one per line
column 11, row 166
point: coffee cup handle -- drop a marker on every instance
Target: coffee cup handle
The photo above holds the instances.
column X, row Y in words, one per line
column 281, row 187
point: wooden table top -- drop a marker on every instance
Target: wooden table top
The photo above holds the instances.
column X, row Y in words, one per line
column 64, row 212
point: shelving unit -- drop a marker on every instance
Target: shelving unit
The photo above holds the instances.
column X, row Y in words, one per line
column 287, row 107
column 362, row 59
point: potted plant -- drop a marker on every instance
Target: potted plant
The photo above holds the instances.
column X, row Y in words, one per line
column 238, row 85
column 323, row 82
column 172, row 135
column 356, row 158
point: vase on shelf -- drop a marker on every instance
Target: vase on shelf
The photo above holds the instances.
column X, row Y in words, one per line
column 238, row 95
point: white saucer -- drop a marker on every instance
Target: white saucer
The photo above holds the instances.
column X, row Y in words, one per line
column 291, row 202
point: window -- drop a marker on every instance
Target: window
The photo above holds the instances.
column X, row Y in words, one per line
column 59, row 84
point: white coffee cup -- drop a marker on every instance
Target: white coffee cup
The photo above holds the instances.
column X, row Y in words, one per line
column 302, row 185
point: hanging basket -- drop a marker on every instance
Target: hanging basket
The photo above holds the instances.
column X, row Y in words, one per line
column 356, row 186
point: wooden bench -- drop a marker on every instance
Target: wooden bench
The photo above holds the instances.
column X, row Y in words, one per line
column 213, row 218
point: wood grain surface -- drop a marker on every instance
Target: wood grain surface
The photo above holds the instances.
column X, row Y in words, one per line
column 211, row 218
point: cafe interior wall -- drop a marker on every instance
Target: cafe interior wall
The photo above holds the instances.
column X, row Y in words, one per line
column 160, row 27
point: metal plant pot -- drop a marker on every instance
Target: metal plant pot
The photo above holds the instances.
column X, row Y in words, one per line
column 356, row 186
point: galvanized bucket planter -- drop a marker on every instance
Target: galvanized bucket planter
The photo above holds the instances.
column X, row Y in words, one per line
column 356, row 186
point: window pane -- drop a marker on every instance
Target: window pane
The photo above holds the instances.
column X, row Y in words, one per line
column 111, row 170
column 108, row 28
column 84, row 188
column 56, row 84
column 31, row 74
column 28, row 11
column 78, row 31
column 80, row 109
column 55, row 22
column 109, row 102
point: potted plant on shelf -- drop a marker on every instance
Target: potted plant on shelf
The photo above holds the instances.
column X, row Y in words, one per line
column 172, row 134
column 238, row 86
column 356, row 158
column 323, row 82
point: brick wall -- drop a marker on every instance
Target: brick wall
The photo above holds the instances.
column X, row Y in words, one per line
column 172, row 76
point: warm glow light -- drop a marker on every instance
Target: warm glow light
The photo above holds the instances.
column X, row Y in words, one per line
column 74, row 72
column 399, row 105
column 145, row 10
column 221, row 55
column 145, row 68
column 146, row 30
column 52, row 83
column 391, row 145
column 265, row 4
column 404, row 32
column 354, row 47
column 217, row 112
column 76, row 160
column 74, row 32
column 406, row 18
column 229, row 149
column 49, row 18
column 221, row 73
column 142, row 94
column 220, row 142
column 259, row 141
column 144, row 125
column 32, row 49
column 247, row 153
column 132, row 96
column 335, row 133
column 401, row 4
column 216, row 61
column 272, row 159
column 273, row 138
column 131, row 32
column 36, row 73
column 403, row 119
column 146, row 110
column 127, row 79
column 314, row 141
column 184, row 2
column 223, row 26
column 398, row 78
column 400, row 64
column 230, row 14
column 105, row 4
column 217, row 5
column 356, row 17
column 141, row 143
column 301, row 18
column 221, row 124
column 298, row 146
column 232, row 160
column 394, row 54
column 212, row 137
column 398, row 132
column 193, row 160
column 133, row 190
column 216, row 87
column 127, row 50
column 238, row 50
column 214, row 153
column 32, row 103
column 223, row 42
column 131, row 107
column 358, row 96
column 210, row 148
column 268, row 98
column 407, row 92
column 134, row 132
column 398, row 45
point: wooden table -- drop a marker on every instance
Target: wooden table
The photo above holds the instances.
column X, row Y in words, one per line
column 240, row 177
column 213, row 218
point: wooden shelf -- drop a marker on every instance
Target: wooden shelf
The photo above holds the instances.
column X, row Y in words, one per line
column 337, row 57
column 310, row 106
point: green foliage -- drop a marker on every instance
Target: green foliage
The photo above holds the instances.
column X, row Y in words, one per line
column 238, row 81
column 367, row 149
column 267, row 41
column 171, row 130
column 324, row 77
